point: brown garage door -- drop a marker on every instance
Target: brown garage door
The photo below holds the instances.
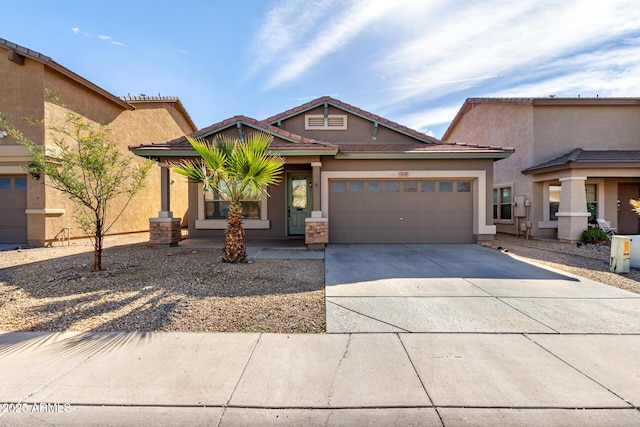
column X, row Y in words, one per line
column 388, row 211
column 13, row 203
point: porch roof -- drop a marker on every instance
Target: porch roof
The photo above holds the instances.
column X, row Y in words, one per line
column 284, row 142
column 588, row 159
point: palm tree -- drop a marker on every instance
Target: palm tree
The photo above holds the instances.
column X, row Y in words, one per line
column 237, row 170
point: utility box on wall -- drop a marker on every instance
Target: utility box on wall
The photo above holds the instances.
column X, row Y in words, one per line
column 520, row 207
column 620, row 254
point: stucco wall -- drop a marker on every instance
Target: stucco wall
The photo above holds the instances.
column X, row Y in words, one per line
column 22, row 93
column 560, row 129
column 506, row 125
column 358, row 130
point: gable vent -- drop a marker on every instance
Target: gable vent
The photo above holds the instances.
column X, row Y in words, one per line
column 333, row 122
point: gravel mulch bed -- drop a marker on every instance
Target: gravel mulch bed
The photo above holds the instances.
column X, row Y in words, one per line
column 586, row 260
column 150, row 288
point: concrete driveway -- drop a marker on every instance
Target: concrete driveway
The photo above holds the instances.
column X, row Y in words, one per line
column 465, row 288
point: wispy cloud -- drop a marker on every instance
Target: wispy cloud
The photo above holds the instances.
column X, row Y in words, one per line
column 102, row 37
column 110, row 40
column 510, row 39
column 438, row 52
column 295, row 36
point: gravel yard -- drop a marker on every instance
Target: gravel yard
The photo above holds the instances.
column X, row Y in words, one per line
column 145, row 287
column 590, row 261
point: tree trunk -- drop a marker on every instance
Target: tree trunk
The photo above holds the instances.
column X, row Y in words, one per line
column 97, row 248
column 234, row 249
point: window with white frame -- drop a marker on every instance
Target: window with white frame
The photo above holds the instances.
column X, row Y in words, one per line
column 502, row 199
column 215, row 207
column 332, row 122
column 592, row 201
column 554, row 201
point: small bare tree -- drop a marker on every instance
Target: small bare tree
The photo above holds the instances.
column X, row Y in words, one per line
column 86, row 165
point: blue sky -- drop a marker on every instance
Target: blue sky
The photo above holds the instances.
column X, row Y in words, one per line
column 411, row 61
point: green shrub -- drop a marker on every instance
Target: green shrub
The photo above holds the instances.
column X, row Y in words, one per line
column 593, row 235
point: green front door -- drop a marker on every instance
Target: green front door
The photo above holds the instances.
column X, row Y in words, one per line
column 298, row 201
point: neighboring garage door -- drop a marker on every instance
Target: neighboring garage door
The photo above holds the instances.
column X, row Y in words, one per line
column 388, row 211
column 13, row 203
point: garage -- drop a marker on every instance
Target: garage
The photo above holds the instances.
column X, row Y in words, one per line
column 13, row 203
column 400, row 211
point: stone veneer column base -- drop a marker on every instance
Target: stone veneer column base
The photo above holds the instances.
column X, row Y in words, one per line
column 316, row 233
column 165, row 231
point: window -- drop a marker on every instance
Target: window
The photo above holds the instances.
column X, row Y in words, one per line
column 338, row 186
column 392, row 186
column 299, row 193
column 318, row 122
column 356, row 187
column 592, row 201
column 21, row 183
column 218, row 208
column 374, row 186
column 5, row 183
column 445, row 187
column 502, row 199
column 464, row 186
column 428, row 186
column 410, row 187
column 554, row 202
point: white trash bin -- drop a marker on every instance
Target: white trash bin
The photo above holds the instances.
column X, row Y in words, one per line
column 620, row 254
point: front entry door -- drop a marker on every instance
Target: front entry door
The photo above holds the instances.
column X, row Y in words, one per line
column 298, row 201
column 628, row 219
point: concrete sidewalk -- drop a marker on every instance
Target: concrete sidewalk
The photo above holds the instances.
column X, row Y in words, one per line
column 338, row 379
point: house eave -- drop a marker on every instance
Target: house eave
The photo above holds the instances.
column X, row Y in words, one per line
column 163, row 152
column 292, row 153
column 496, row 156
column 582, row 165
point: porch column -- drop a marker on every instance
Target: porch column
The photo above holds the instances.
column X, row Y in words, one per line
column 165, row 192
column 316, row 230
column 315, row 178
column 165, row 229
column 572, row 213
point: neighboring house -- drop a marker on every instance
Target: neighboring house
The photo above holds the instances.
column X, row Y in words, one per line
column 351, row 177
column 33, row 213
column 576, row 160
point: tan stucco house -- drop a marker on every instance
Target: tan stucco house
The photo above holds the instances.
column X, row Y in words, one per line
column 32, row 213
column 576, row 160
column 350, row 177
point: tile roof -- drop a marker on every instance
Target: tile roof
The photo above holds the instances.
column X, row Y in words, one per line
column 350, row 108
column 173, row 100
column 24, row 51
column 419, row 147
column 290, row 141
column 295, row 142
column 589, row 159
